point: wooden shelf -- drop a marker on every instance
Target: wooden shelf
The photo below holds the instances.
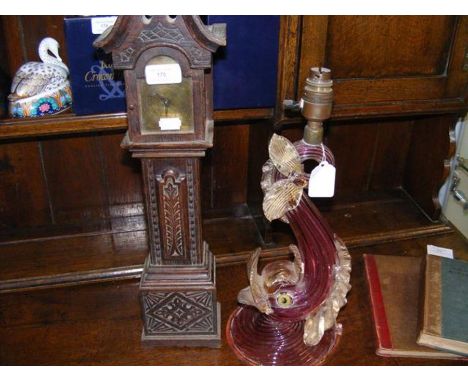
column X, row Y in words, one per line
column 111, row 255
column 385, row 110
column 69, row 123
column 100, row 324
column 66, row 123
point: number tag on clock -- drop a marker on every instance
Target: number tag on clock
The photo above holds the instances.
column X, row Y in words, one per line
column 170, row 123
column 322, row 181
column 163, row 74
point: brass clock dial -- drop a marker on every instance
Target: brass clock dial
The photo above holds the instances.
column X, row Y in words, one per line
column 165, row 107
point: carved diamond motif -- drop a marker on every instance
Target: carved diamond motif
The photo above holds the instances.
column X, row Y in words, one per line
column 178, row 312
column 126, row 54
column 160, row 32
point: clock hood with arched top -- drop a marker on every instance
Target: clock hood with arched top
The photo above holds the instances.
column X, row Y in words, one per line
column 131, row 35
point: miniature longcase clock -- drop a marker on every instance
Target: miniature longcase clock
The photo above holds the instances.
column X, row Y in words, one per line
column 167, row 69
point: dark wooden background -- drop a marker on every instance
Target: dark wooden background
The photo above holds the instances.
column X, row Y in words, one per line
column 71, row 205
column 87, row 182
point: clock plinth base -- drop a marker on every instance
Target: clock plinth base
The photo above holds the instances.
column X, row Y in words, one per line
column 179, row 305
column 189, row 340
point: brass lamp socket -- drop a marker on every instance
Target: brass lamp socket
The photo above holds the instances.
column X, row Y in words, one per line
column 316, row 103
column 313, row 133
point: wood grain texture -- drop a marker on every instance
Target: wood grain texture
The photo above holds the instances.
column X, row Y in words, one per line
column 71, row 258
column 289, row 37
column 259, row 136
column 353, row 144
column 14, row 44
column 35, row 28
column 75, row 184
column 375, row 155
column 178, row 287
column 23, row 190
column 4, row 64
column 382, row 65
column 114, row 192
column 62, row 124
column 230, row 156
column 122, row 183
column 388, row 46
column 390, row 153
column 370, row 155
column 425, row 168
column 457, row 78
column 313, row 50
column 100, row 324
column 62, row 255
column 68, row 123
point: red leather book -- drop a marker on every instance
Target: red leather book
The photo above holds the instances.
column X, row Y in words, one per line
column 394, row 288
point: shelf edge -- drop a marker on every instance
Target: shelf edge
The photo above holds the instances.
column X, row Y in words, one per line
column 222, row 260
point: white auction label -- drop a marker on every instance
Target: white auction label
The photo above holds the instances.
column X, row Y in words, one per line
column 322, row 181
column 100, row 24
column 439, row 251
column 170, row 123
column 163, row 74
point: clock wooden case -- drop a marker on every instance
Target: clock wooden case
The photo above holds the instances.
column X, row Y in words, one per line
column 167, row 69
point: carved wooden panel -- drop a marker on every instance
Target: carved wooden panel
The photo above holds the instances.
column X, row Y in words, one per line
column 172, row 34
column 171, row 187
column 132, row 35
column 173, row 207
column 184, row 312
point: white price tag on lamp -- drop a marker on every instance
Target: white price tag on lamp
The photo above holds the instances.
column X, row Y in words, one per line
column 322, row 181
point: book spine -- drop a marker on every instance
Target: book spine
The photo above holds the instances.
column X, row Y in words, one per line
column 432, row 323
column 422, row 300
column 384, row 340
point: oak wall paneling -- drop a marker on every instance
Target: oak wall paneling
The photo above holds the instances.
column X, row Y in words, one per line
column 24, row 201
column 71, row 203
column 391, row 110
column 122, row 182
column 427, row 164
column 382, row 65
column 73, row 168
column 388, row 67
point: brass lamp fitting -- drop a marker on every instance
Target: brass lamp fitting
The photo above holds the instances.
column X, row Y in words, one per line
column 316, row 103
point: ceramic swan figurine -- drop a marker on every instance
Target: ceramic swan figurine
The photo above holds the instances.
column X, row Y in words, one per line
column 41, row 88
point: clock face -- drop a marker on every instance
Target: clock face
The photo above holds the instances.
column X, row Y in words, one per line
column 166, row 98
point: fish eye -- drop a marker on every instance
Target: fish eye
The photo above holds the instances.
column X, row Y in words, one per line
column 284, row 300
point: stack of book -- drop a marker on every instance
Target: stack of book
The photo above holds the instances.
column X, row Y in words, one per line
column 419, row 305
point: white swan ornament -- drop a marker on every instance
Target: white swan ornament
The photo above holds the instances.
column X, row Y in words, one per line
column 41, row 88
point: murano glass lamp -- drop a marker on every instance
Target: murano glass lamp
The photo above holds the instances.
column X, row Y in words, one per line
column 287, row 315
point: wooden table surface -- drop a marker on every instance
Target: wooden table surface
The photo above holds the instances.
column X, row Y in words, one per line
column 100, row 324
